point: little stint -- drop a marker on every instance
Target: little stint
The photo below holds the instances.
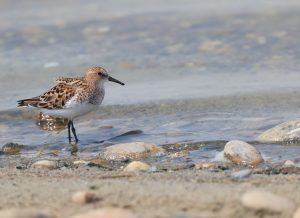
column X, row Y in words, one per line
column 72, row 97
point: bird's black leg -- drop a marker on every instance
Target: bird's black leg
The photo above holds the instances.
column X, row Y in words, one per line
column 74, row 132
column 69, row 130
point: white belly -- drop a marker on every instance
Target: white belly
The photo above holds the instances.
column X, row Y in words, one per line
column 71, row 112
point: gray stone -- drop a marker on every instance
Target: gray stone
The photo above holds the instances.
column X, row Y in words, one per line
column 133, row 150
column 45, row 164
column 240, row 152
column 241, row 174
column 288, row 131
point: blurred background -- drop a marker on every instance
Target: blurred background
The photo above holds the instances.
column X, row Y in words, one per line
column 187, row 49
column 232, row 67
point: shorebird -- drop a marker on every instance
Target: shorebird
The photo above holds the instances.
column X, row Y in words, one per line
column 72, row 97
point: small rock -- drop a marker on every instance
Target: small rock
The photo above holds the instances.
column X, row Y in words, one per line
column 263, row 200
column 12, row 148
column 297, row 213
column 25, row 213
column 289, row 163
column 107, row 213
column 80, row 162
column 241, row 174
column 133, row 150
column 240, row 152
column 44, row 164
column 137, row 166
column 205, row 165
column 285, row 132
column 84, row 197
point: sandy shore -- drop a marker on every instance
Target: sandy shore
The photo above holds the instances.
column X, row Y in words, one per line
column 181, row 193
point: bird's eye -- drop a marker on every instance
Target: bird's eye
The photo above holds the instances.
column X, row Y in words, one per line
column 104, row 75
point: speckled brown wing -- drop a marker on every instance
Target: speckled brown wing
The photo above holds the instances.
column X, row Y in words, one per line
column 69, row 80
column 55, row 98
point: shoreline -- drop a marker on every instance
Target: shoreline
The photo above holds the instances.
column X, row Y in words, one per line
column 180, row 193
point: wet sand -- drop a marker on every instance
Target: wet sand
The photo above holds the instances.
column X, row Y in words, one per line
column 177, row 193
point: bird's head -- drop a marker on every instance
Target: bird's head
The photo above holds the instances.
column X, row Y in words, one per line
column 100, row 74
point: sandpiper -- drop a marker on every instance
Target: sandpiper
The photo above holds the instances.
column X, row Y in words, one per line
column 72, row 97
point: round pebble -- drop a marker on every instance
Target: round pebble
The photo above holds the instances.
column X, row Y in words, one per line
column 107, row 213
column 289, row 163
column 240, row 152
column 263, row 200
column 137, row 166
column 131, row 150
column 25, row 213
column 80, row 162
column 205, row 165
column 84, row 197
column 44, row 164
column 288, row 131
column 12, row 148
column 241, row 174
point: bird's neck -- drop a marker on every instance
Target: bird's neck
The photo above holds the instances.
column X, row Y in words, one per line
column 98, row 92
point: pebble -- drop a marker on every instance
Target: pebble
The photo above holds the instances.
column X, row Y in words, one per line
column 84, row 197
column 289, row 163
column 241, row 174
column 240, row 152
column 263, row 200
column 297, row 213
column 12, row 148
column 137, row 166
column 107, row 213
column 288, row 131
column 133, row 150
column 25, row 213
column 205, row 165
column 45, row 164
column 80, row 162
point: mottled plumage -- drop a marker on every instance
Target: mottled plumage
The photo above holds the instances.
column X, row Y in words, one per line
column 72, row 97
column 55, row 98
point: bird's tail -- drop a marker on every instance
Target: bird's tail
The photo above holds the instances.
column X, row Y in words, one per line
column 27, row 102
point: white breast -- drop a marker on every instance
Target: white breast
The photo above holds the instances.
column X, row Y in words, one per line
column 72, row 112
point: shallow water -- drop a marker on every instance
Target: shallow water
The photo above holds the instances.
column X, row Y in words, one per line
column 193, row 72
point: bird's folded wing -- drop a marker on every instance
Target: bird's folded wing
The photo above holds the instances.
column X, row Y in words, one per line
column 55, row 98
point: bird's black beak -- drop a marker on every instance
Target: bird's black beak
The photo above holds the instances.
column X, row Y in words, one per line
column 115, row 80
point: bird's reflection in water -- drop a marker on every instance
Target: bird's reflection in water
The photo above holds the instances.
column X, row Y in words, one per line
column 49, row 123
column 55, row 124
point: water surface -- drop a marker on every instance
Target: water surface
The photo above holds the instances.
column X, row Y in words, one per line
column 194, row 72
